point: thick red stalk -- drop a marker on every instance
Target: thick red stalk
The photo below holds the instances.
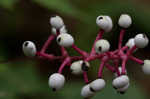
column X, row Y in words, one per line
column 45, row 46
column 48, row 56
column 130, row 51
column 136, row 60
column 109, row 67
column 123, row 66
column 64, row 52
column 85, row 77
column 83, row 53
column 99, row 36
column 66, row 61
column 122, row 32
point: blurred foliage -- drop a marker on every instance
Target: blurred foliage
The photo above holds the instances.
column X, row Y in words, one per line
column 23, row 82
column 28, row 20
column 8, row 4
column 63, row 6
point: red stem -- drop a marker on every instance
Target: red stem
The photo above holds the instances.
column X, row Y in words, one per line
column 66, row 61
column 83, row 53
column 64, row 52
column 99, row 36
column 101, row 69
column 124, row 66
column 122, row 32
column 45, row 46
column 85, row 77
column 109, row 67
column 136, row 60
column 48, row 56
column 130, row 51
column 124, row 48
column 116, row 67
column 73, row 58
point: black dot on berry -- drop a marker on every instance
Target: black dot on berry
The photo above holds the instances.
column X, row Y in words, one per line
column 100, row 48
column 59, row 39
column 83, row 63
column 92, row 89
column 122, row 93
column 100, row 18
column 125, row 51
column 26, row 44
column 53, row 89
column 114, row 87
column 84, row 67
column 144, row 35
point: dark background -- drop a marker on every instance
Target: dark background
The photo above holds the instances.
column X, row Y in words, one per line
column 21, row 20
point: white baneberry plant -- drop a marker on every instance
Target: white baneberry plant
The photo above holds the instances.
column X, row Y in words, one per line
column 100, row 50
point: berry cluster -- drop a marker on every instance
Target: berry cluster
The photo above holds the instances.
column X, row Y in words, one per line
column 100, row 50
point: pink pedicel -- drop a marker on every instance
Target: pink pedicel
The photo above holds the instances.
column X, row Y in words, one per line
column 117, row 54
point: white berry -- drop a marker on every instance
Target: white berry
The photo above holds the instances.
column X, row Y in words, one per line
column 141, row 40
column 65, row 40
column 76, row 67
column 102, row 46
column 62, row 30
column 120, row 81
column 86, row 92
column 110, row 26
column 29, row 48
column 105, row 23
column 146, row 67
column 125, row 21
column 56, row 81
column 130, row 43
column 123, row 89
column 56, row 22
column 79, row 66
column 97, row 85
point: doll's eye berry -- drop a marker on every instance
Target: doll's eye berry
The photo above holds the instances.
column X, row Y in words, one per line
column 141, row 40
column 76, row 67
column 100, row 50
column 97, row 85
column 102, row 46
column 125, row 21
column 56, row 81
column 29, row 49
column 65, row 40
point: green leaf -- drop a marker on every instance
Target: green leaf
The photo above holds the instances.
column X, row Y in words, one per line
column 8, row 4
column 60, row 6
